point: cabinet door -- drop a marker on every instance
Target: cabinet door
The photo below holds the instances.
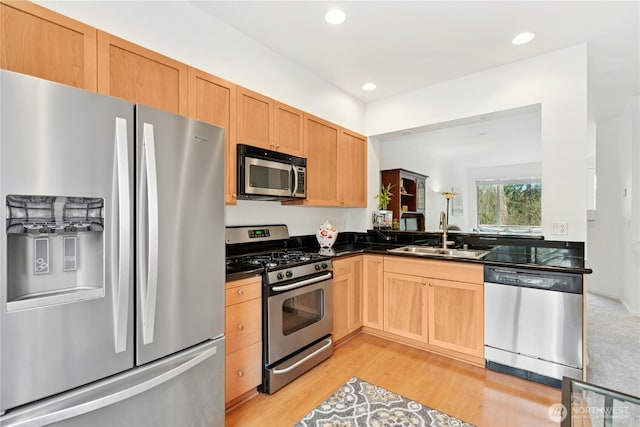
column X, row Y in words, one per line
column 347, row 296
column 42, row 43
column 405, row 306
column 352, row 169
column 243, row 324
column 372, row 291
column 139, row 75
column 321, row 150
column 341, row 285
column 254, row 124
column 356, row 294
column 288, row 130
column 213, row 100
column 243, row 371
column 456, row 316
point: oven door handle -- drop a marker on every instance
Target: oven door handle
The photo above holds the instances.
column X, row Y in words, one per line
column 303, row 283
column 304, row 359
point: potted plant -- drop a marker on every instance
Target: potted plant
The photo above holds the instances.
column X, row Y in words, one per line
column 382, row 218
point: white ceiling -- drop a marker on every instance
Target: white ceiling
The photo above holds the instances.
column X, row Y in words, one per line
column 405, row 45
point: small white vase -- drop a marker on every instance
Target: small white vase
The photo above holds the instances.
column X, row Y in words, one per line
column 326, row 234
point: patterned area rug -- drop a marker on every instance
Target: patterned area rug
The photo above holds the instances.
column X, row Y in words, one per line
column 360, row 404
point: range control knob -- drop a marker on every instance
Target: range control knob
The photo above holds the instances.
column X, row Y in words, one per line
column 317, row 267
column 324, row 265
column 289, row 273
column 280, row 276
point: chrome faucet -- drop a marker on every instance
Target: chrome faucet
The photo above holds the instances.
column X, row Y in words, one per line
column 443, row 226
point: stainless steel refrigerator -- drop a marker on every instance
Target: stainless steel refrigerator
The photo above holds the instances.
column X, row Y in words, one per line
column 111, row 263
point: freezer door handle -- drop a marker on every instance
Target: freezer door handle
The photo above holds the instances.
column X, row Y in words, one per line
column 95, row 403
column 148, row 237
column 122, row 277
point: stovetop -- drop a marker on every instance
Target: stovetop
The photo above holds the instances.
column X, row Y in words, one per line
column 278, row 259
column 281, row 266
column 268, row 249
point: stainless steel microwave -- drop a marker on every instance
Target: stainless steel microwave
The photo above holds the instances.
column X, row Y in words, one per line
column 270, row 175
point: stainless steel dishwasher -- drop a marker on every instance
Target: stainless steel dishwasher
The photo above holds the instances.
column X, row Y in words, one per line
column 533, row 323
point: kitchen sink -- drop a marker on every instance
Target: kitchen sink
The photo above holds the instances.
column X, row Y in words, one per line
column 432, row 251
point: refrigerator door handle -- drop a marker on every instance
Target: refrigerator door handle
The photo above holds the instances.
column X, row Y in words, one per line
column 106, row 400
column 149, row 282
column 121, row 291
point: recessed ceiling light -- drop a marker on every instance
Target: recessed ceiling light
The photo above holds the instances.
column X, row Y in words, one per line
column 369, row 86
column 523, row 38
column 335, row 17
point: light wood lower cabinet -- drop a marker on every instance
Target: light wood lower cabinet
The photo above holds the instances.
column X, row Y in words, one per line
column 242, row 373
column 372, row 291
column 243, row 331
column 405, row 306
column 456, row 314
column 438, row 305
column 347, row 296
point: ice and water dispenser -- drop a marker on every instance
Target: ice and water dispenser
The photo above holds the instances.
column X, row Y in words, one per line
column 55, row 250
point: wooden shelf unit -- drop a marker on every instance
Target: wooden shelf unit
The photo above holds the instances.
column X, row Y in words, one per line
column 408, row 190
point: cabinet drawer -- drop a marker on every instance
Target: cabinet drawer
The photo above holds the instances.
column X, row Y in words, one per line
column 243, row 371
column 242, row 293
column 447, row 270
column 343, row 266
column 243, row 324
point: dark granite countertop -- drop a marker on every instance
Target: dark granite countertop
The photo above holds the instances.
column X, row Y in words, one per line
column 507, row 251
column 550, row 259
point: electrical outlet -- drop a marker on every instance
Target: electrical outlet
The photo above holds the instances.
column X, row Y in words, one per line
column 560, row 228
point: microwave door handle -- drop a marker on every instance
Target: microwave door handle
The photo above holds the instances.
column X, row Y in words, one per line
column 294, row 190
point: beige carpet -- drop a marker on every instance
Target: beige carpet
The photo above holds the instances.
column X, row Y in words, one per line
column 613, row 348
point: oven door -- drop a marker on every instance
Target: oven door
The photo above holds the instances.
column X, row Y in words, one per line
column 298, row 314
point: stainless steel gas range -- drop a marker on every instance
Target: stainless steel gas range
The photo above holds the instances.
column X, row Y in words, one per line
column 297, row 295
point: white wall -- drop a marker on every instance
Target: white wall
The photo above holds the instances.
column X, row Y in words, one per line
column 629, row 174
column 182, row 31
column 557, row 81
column 613, row 237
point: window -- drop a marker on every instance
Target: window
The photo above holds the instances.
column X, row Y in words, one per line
column 512, row 205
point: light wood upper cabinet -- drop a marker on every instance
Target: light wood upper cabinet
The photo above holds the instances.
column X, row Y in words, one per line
column 352, row 169
column 336, row 165
column 45, row 44
column 321, row 150
column 131, row 72
column 456, row 316
column 347, row 296
column 266, row 123
column 288, row 129
column 213, row 100
column 372, row 291
column 254, row 124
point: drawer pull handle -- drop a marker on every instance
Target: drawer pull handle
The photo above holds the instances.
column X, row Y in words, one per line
column 240, row 327
column 240, row 374
column 240, row 292
column 430, row 285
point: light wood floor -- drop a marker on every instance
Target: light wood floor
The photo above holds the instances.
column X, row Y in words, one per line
column 476, row 395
